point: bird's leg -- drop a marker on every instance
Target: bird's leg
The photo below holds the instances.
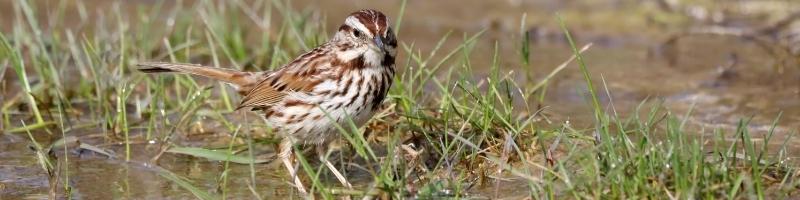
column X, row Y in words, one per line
column 322, row 153
column 286, row 148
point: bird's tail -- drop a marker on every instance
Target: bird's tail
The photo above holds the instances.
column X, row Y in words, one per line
column 242, row 81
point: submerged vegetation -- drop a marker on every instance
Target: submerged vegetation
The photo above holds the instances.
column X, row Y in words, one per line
column 442, row 132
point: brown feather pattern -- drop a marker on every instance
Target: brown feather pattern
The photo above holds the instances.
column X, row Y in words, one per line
column 347, row 77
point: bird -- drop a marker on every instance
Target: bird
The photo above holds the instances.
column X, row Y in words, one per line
column 343, row 80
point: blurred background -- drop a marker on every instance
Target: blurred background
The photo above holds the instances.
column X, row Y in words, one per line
column 723, row 60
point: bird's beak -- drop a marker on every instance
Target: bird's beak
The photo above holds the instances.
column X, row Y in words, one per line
column 379, row 42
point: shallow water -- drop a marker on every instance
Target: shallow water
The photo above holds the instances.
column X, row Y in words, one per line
column 724, row 79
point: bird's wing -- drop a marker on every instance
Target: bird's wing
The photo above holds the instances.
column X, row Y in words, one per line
column 301, row 75
column 273, row 89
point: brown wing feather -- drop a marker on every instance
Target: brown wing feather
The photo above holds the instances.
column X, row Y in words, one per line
column 301, row 75
column 262, row 95
column 271, row 91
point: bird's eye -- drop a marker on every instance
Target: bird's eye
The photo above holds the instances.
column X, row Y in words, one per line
column 356, row 33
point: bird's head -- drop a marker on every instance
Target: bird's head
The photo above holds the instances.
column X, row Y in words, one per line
column 368, row 30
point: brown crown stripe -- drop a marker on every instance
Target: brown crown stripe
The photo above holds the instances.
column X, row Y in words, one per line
column 382, row 23
column 373, row 20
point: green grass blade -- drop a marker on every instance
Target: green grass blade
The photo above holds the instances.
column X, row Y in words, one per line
column 216, row 155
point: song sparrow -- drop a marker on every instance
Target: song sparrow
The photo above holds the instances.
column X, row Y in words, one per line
column 346, row 77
